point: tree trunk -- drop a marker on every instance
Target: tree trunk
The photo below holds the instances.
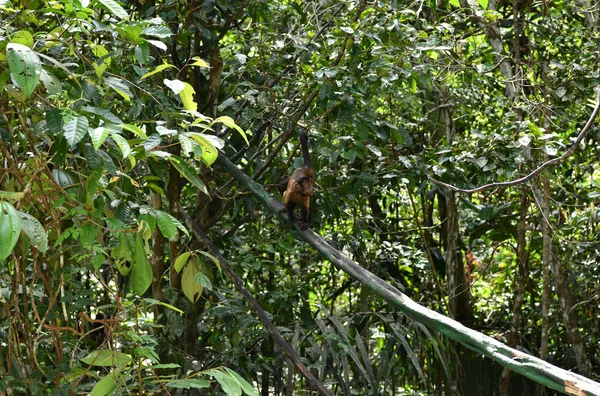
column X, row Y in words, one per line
column 522, row 258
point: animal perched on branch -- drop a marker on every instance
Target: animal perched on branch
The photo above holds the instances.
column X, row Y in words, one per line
column 299, row 187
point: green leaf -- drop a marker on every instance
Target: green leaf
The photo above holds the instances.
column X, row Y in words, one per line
column 22, row 37
column 245, row 385
column 209, row 151
column 104, row 113
column 107, row 358
column 210, row 256
column 141, row 271
column 229, row 122
column 11, row 197
column 122, row 143
column 106, row 385
column 51, row 82
column 10, row 228
column 188, row 383
column 76, row 129
column 158, row 69
column 199, row 62
column 35, row 231
column 139, row 132
column 188, row 172
column 25, row 66
column 115, row 8
column 98, row 136
column 168, row 224
column 228, row 384
column 203, row 280
column 181, row 261
column 54, row 120
column 190, row 288
column 160, row 31
column 120, row 86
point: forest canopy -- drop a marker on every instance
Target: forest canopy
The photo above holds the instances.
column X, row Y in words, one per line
column 453, row 244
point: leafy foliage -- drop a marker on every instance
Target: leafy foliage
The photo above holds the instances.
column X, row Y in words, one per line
column 113, row 116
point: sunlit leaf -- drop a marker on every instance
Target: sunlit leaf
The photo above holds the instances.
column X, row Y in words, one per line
column 158, row 69
column 229, row 122
column 115, row 8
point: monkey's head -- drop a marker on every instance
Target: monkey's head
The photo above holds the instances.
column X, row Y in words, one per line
column 304, row 186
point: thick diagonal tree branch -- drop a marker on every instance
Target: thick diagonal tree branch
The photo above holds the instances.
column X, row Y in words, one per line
column 522, row 363
column 262, row 315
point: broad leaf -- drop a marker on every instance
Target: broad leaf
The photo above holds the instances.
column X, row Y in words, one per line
column 106, row 385
column 191, row 383
column 115, row 8
column 98, row 136
column 228, row 384
column 187, row 97
column 76, row 129
column 245, row 385
column 107, row 358
column 209, row 151
column 181, row 261
column 10, row 228
column 121, row 143
column 141, row 272
column 35, row 231
column 188, row 172
column 191, row 289
column 168, row 224
column 25, row 66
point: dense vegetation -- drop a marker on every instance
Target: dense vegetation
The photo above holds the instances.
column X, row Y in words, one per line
column 132, row 262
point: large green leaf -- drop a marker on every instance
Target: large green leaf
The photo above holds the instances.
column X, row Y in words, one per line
column 76, row 129
column 191, row 289
column 121, row 143
column 188, row 172
column 107, row 358
column 106, row 385
column 141, row 272
column 245, row 385
column 191, row 383
column 115, row 8
column 209, row 151
column 10, row 228
column 168, row 224
column 98, row 136
column 228, row 384
column 35, row 231
column 25, row 66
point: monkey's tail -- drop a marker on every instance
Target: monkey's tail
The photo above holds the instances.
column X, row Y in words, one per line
column 305, row 153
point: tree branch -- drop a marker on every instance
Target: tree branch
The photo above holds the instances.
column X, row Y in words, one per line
column 262, row 315
column 584, row 131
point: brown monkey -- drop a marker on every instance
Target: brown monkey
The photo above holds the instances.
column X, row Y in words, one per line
column 299, row 187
